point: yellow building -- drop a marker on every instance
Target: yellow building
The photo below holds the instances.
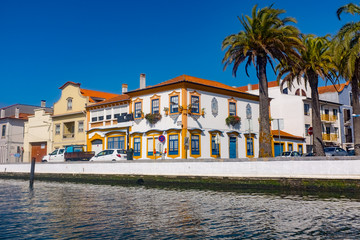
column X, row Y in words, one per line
column 69, row 119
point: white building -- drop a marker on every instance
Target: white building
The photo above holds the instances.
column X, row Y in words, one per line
column 38, row 139
column 293, row 107
column 184, row 117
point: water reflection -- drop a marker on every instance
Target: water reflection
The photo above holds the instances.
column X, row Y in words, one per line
column 80, row 211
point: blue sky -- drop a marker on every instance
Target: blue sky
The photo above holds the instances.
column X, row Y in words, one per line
column 105, row 43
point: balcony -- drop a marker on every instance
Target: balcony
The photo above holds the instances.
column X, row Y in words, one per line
column 330, row 137
column 125, row 117
column 328, row 118
column 68, row 135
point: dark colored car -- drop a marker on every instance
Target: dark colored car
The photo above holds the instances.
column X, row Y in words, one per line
column 351, row 152
column 335, row 151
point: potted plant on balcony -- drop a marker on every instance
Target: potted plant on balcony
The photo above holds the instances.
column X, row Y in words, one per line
column 189, row 108
column 202, row 111
column 181, row 109
column 153, row 117
column 166, row 110
column 232, row 120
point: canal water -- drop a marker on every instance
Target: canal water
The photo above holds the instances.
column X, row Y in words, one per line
column 84, row 211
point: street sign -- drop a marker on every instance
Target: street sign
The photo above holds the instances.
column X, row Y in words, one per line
column 310, row 131
column 162, row 138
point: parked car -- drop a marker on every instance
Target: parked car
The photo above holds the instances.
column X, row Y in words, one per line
column 110, row 155
column 351, row 152
column 309, row 154
column 335, row 151
column 56, row 156
column 291, row 154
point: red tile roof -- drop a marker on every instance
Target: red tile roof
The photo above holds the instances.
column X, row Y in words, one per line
column 118, row 98
column 22, row 116
column 333, row 88
column 283, row 134
column 96, row 94
column 256, row 86
column 190, row 79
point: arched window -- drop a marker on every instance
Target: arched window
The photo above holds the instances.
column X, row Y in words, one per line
column 285, row 91
column 303, row 93
column 297, row 93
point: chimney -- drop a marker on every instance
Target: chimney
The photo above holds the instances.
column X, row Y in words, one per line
column 249, row 87
column 2, row 114
column 43, row 103
column 142, row 81
column 17, row 112
column 124, row 88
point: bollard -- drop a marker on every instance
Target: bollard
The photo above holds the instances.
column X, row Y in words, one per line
column 32, row 172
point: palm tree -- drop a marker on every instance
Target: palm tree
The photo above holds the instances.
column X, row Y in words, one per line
column 347, row 54
column 265, row 38
column 316, row 61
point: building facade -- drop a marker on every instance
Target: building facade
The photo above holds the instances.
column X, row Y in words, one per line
column 12, row 120
column 38, row 135
column 292, row 107
column 341, row 93
column 185, row 118
column 69, row 118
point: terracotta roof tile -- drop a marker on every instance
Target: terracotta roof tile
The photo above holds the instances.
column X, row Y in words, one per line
column 23, row 116
column 118, row 98
column 187, row 78
column 284, row 134
column 96, row 94
column 256, row 86
column 333, row 88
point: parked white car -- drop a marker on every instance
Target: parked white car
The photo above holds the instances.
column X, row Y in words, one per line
column 56, row 156
column 110, row 155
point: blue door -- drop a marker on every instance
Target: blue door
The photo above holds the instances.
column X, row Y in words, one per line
column 232, row 149
column 278, row 149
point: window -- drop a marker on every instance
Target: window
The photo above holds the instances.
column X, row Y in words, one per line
column 57, row 129
column 3, row 131
column 335, row 112
column 306, row 109
column 300, row 149
column 327, row 130
column 249, row 146
column 155, row 106
column 232, row 108
column 150, row 146
column 326, row 111
column 351, row 99
column 174, row 144
column 174, row 104
column 285, row 91
column 336, row 130
column 116, row 142
column 69, row 104
column 307, row 126
column 195, row 146
column 81, row 126
column 68, row 131
column 290, row 146
column 194, row 104
column 215, row 145
column 138, row 110
column 137, row 146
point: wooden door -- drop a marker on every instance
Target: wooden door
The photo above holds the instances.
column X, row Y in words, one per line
column 38, row 150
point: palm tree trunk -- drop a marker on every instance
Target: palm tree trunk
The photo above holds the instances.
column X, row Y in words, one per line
column 356, row 111
column 265, row 149
column 318, row 144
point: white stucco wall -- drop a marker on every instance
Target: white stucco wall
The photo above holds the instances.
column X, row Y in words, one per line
column 327, row 168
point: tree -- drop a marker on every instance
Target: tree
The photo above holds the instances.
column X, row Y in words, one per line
column 347, row 55
column 265, row 38
column 316, row 61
